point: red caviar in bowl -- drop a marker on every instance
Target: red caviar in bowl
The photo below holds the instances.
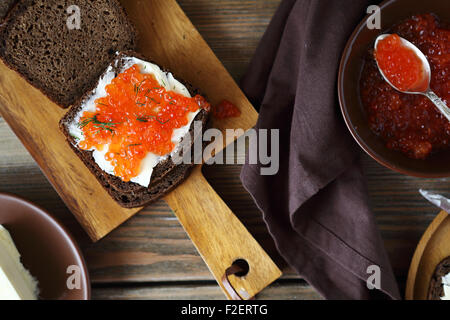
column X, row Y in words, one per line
column 411, row 123
column 136, row 117
column 401, row 65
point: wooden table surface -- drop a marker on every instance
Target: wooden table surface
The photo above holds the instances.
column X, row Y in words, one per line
column 150, row 256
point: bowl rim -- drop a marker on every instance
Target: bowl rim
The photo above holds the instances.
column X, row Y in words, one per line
column 344, row 111
column 62, row 230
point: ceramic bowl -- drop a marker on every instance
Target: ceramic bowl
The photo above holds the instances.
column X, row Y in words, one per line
column 47, row 249
column 362, row 39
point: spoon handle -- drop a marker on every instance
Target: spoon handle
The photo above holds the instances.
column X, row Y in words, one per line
column 439, row 103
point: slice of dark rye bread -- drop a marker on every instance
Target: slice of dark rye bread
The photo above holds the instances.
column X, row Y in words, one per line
column 166, row 175
column 36, row 42
column 5, row 6
column 436, row 289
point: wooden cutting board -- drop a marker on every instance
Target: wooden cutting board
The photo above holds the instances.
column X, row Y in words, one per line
column 431, row 250
column 169, row 38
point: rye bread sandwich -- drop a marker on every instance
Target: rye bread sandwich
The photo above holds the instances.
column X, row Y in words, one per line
column 128, row 129
column 40, row 39
column 440, row 282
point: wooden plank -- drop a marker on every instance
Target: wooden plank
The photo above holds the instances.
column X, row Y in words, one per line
column 232, row 28
column 402, row 213
column 298, row 290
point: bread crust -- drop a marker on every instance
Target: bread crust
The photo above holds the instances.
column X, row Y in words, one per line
column 166, row 175
column 5, row 7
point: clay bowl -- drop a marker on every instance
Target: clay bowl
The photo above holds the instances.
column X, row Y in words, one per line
column 46, row 249
column 392, row 13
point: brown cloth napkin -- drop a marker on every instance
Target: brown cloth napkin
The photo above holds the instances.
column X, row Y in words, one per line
column 316, row 207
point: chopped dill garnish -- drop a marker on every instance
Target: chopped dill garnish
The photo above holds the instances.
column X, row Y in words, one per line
column 109, row 126
column 137, row 87
column 147, row 119
column 162, row 122
column 154, row 100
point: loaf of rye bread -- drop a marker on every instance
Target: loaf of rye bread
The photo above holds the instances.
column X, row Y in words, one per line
column 166, row 175
column 63, row 62
column 5, row 5
column 436, row 289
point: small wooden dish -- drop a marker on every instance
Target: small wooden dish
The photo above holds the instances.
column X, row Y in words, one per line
column 431, row 250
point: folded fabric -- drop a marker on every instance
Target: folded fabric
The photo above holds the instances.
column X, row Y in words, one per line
column 316, row 206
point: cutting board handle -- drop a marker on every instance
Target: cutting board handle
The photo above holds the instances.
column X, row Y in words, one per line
column 220, row 238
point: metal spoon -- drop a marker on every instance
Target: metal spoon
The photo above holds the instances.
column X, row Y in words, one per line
column 438, row 102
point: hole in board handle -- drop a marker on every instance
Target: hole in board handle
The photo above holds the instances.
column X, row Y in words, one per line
column 243, row 267
column 239, row 268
